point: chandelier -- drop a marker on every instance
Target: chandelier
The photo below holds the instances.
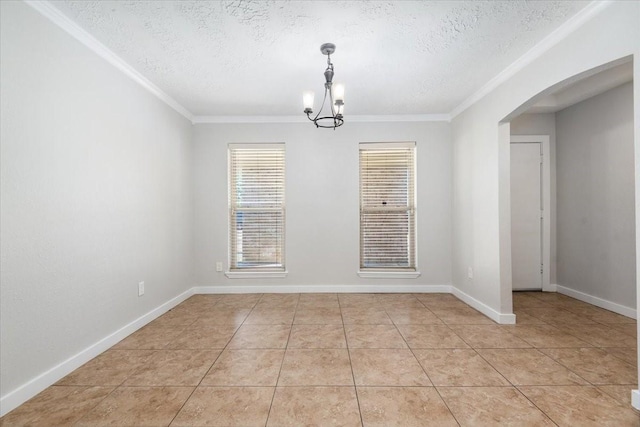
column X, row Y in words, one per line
column 336, row 96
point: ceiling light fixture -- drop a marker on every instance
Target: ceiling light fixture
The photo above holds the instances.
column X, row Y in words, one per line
column 336, row 96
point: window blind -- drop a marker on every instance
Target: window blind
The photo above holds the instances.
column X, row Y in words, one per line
column 256, row 206
column 387, row 206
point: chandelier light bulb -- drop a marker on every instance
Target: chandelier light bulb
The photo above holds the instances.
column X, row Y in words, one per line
column 307, row 100
column 338, row 93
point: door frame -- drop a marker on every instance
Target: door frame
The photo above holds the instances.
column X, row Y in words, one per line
column 545, row 187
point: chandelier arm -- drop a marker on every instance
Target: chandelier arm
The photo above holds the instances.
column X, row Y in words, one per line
column 322, row 106
column 309, row 117
column 333, row 111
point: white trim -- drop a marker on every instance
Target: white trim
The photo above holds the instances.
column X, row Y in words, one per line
column 301, row 289
column 256, row 146
column 18, row 396
column 386, row 145
column 603, row 303
column 501, row 318
column 49, row 11
column 546, row 202
column 553, row 287
column 255, row 274
column 559, row 34
column 303, row 119
column 388, row 274
column 401, row 118
column 249, row 119
column 635, row 399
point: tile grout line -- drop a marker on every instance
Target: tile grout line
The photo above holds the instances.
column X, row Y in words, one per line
column 155, row 351
column 517, row 387
column 513, row 386
column 424, row 370
column 486, row 361
column 210, row 367
column 284, row 355
column 353, row 376
column 94, row 406
column 536, row 406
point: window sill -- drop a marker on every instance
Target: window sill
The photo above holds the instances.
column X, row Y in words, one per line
column 388, row 274
column 255, row 274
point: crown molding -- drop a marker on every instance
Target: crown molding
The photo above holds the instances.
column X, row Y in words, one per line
column 249, row 119
column 302, row 119
column 402, row 118
column 559, row 34
column 60, row 19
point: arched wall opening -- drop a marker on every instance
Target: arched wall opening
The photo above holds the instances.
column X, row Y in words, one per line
column 583, row 87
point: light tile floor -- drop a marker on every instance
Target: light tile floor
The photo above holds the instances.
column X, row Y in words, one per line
column 352, row 360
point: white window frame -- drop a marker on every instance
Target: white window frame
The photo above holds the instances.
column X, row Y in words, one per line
column 254, row 272
column 410, row 272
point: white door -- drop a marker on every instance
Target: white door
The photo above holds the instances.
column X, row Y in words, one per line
column 526, row 216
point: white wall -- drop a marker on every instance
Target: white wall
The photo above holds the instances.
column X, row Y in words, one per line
column 543, row 124
column 95, row 196
column 322, row 210
column 481, row 202
column 596, row 200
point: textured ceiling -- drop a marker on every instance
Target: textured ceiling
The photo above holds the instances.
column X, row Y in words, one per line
column 244, row 57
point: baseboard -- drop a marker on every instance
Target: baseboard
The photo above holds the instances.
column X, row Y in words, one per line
column 17, row 397
column 502, row 318
column 602, row 303
column 294, row 289
column 635, row 399
column 552, row 287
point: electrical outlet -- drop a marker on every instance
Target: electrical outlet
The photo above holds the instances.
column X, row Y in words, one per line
column 140, row 289
column 470, row 273
column 218, row 266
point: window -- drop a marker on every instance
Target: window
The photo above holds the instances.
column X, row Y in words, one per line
column 387, row 208
column 256, row 208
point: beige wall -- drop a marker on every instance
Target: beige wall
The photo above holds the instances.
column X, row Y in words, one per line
column 322, row 202
column 596, row 200
column 95, row 197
